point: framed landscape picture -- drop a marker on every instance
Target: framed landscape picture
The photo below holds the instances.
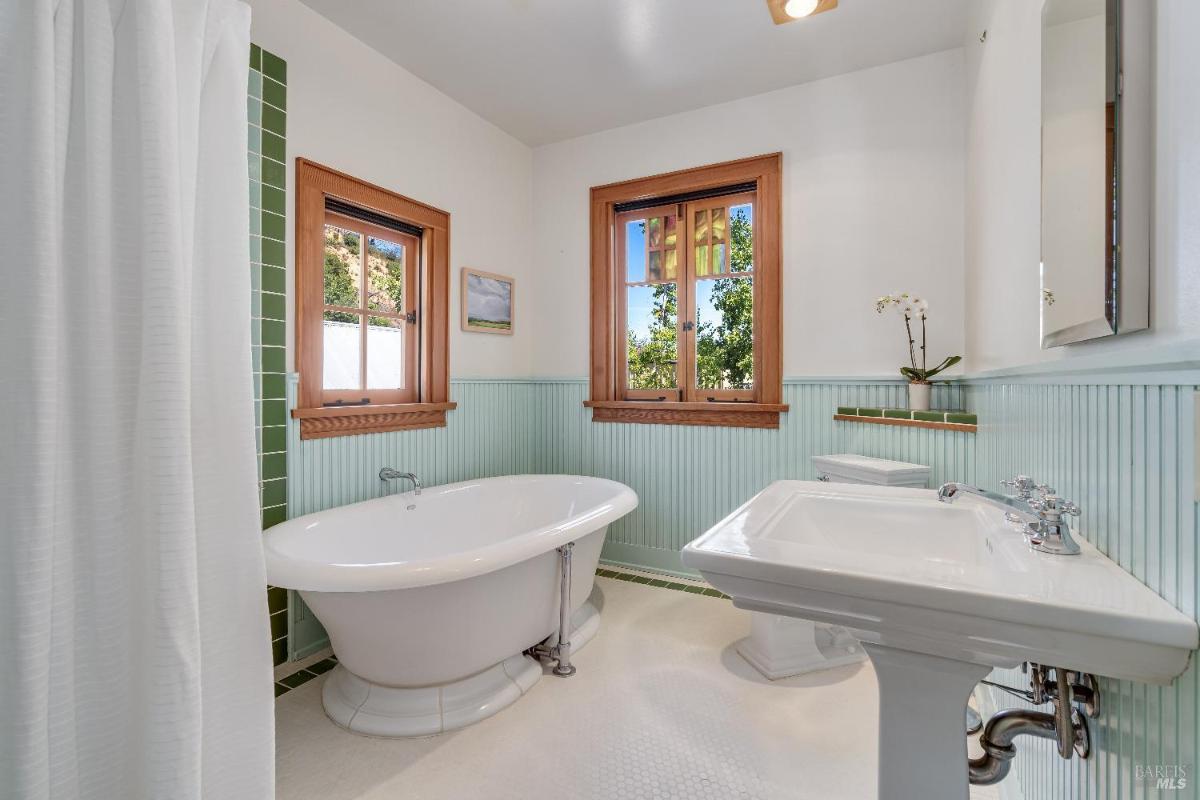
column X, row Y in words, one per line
column 487, row 302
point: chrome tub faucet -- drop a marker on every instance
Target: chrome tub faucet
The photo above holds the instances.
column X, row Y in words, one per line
column 389, row 474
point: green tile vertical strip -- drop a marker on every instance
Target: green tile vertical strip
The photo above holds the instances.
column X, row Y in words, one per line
column 267, row 114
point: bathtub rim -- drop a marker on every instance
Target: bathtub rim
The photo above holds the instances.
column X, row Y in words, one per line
column 288, row 571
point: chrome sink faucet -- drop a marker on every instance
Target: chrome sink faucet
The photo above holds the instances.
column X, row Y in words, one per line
column 1024, row 486
column 389, row 474
column 1044, row 516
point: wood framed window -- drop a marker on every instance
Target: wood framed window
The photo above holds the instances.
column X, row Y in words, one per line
column 372, row 307
column 686, row 304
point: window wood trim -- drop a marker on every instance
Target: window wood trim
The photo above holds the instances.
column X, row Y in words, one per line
column 315, row 182
column 606, row 400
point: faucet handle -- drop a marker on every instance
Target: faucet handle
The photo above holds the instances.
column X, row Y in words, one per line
column 1023, row 484
column 1051, row 504
column 1051, row 534
column 1045, row 490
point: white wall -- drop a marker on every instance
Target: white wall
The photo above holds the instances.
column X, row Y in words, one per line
column 354, row 110
column 873, row 196
column 1003, row 185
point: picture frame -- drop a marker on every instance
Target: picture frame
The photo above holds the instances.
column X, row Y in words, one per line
column 487, row 302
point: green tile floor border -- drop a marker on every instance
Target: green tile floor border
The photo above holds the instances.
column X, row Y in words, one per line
column 660, row 583
column 303, row 676
column 266, row 146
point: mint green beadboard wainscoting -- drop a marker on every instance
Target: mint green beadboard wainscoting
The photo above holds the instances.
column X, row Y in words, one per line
column 490, row 433
column 688, row 478
column 1125, row 452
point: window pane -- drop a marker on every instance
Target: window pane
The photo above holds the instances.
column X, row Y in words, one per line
column 635, row 251
column 652, row 349
column 656, row 231
column 342, row 267
column 700, row 240
column 670, row 243
column 670, row 264
column 741, row 238
column 670, row 223
column 725, row 333
column 656, row 266
column 718, row 259
column 385, row 276
column 718, row 225
column 341, row 351
column 385, row 353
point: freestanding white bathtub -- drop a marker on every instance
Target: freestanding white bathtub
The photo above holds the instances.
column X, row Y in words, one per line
column 430, row 601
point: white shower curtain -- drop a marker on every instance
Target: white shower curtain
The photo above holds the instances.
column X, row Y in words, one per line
column 134, row 649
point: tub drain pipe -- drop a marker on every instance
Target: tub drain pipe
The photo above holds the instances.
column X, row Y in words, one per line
column 562, row 651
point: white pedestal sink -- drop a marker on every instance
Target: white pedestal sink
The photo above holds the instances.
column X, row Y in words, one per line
column 939, row 595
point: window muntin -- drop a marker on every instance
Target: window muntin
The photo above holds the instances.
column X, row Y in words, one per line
column 369, row 336
column 687, row 333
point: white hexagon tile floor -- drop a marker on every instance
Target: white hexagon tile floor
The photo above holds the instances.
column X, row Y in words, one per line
column 662, row 707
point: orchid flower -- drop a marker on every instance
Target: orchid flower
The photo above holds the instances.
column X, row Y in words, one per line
column 912, row 307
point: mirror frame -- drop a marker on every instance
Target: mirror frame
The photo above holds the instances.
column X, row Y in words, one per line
column 1127, row 307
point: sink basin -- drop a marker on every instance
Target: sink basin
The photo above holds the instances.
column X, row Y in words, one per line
column 939, row 594
column 903, row 569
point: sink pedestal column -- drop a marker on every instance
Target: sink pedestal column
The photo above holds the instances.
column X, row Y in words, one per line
column 922, row 739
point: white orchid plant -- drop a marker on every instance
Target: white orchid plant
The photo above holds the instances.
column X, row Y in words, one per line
column 914, row 308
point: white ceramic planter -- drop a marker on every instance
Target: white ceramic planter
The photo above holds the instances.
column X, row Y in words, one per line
column 918, row 396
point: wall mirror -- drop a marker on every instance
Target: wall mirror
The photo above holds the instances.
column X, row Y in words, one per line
column 1097, row 108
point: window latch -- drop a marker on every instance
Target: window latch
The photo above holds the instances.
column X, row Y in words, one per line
column 689, row 325
column 411, row 318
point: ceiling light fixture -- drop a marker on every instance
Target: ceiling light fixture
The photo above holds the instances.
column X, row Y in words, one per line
column 800, row 8
column 783, row 11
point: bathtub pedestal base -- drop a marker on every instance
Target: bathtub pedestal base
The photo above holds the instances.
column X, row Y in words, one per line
column 395, row 712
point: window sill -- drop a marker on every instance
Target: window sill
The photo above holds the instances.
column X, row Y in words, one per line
column 727, row 415
column 329, row 421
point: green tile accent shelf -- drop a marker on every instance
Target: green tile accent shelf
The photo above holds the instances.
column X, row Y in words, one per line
column 940, row 420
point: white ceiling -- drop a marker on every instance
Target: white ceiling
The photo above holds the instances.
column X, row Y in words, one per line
column 547, row 70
